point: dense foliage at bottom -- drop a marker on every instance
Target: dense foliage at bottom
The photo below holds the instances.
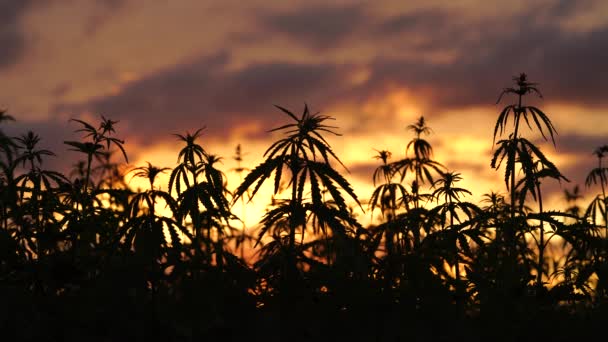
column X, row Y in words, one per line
column 86, row 257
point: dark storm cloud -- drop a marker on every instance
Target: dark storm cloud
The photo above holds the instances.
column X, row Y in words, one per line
column 320, row 27
column 103, row 11
column 426, row 20
column 12, row 39
column 581, row 145
column 113, row 4
column 570, row 68
column 204, row 93
column 488, row 51
column 424, row 30
column 568, row 7
column 574, row 68
column 61, row 89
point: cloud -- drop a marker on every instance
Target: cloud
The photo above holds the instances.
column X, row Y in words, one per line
column 424, row 20
column 319, row 27
column 569, row 68
column 577, row 144
column 473, row 58
column 102, row 12
column 205, row 92
column 427, row 29
column 12, row 39
column 574, row 68
column 208, row 91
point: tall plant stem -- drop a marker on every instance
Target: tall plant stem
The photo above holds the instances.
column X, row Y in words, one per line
column 541, row 244
column 36, row 210
column 605, row 213
column 459, row 294
column 85, row 188
column 197, row 222
column 293, row 223
column 390, row 250
column 457, row 259
column 510, row 229
column 88, row 175
column 510, row 238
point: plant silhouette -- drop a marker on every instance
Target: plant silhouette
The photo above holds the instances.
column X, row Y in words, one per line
column 84, row 255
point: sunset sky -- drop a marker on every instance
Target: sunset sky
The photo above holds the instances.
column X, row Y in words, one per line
column 163, row 67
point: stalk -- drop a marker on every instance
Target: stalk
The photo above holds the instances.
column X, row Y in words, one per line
column 457, row 261
column 515, row 132
column 605, row 213
column 510, row 232
column 293, row 223
column 88, row 175
column 541, row 246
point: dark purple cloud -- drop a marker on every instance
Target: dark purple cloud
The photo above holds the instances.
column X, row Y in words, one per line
column 487, row 51
column 205, row 93
column 424, row 20
column 574, row 68
column 424, row 30
column 104, row 10
column 582, row 145
column 563, row 8
column 320, row 27
column 12, row 39
column 569, row 67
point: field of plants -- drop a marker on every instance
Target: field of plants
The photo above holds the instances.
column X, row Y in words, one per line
column 84, row 257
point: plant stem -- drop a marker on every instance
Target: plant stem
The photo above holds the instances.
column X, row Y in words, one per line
column 605, row 213
column 293, row 224
column 541, row 245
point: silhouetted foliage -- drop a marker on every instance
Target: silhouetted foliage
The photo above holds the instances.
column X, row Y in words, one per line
column 87, row 257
